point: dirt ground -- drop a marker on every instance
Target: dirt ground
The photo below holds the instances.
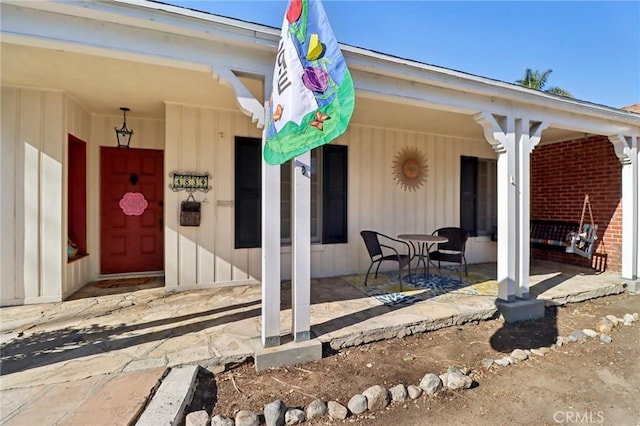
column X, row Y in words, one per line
column 578, row 383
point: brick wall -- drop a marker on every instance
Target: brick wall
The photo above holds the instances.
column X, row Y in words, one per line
column 561, row 174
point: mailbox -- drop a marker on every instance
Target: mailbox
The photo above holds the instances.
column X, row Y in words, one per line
column 190, row 212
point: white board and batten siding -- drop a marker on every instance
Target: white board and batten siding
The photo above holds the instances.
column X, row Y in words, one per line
column 196, row 139
column 376, row 202
column 202, row 140
column 33, row 213
column 31, row 216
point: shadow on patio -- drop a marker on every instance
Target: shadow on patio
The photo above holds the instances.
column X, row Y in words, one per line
column 215, row 325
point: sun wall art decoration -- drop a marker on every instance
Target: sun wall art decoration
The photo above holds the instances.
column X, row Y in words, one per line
column 410, row 168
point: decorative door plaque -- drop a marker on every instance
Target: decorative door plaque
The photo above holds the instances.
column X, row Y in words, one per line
column 133, row 203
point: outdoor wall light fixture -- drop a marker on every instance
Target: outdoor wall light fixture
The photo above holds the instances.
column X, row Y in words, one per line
column 123, row 134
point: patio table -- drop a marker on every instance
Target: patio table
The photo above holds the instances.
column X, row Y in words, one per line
column 420, row 244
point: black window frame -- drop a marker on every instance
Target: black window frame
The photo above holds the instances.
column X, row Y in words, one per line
column 470, row 192
column 248, row 193
column 469, row 195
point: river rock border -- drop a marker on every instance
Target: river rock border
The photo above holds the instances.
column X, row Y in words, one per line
column 378, row 398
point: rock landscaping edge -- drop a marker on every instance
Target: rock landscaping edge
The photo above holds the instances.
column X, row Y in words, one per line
column 378, row 398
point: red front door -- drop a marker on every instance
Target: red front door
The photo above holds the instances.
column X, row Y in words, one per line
column 131, row 225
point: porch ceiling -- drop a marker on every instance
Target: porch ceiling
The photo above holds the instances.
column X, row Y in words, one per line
column 396, row 115
column 102, row 85
column 390, row 113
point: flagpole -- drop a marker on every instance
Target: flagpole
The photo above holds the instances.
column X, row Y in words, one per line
column 270, row 334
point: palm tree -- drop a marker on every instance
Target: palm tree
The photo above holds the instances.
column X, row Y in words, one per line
column 534, row 79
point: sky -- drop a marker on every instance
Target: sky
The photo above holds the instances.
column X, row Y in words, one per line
column 592, row 47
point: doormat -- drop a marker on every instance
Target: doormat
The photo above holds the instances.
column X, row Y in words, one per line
column 419, row 287
column 124, row 282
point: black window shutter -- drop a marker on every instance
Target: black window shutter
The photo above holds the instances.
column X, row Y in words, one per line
column 469, row 194
column 248, row 192
column 334, row 194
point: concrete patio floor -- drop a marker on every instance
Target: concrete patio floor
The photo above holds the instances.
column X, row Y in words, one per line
column 64, row 362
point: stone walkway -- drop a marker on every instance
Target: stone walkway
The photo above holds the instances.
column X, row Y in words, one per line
column 95, row 359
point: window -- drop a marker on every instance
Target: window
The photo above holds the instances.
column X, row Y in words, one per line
column 478, row 196
column 248, row 192
column 316, row 195
column 328, row 194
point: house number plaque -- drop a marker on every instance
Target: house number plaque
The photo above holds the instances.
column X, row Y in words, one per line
column 189, row 182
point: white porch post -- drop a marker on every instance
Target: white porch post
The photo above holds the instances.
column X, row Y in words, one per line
column 529, row 136
column 513, row 139
column 270, row 254
column 270, row 212
column 627, row 150
column 505, row 280
column 501, row 136
column 522, row 207
column 301, row 249
column 508, row 188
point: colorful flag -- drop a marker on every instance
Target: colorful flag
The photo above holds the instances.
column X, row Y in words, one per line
column 312, row 95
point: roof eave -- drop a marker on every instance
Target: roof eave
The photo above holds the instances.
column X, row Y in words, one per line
column 178, row 20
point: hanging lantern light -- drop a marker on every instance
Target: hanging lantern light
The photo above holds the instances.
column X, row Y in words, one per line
column 123, row 134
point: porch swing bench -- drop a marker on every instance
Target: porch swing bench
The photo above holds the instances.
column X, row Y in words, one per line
column 551, row 235
column 569, row 237
column 583, row 240
column 555, row 235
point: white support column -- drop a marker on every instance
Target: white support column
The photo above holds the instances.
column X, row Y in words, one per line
column 510, row 191
column 506, row 289
column 627, row 149
column 522, row 208
column 301, row 249
column 496, row 130
column 270, row 254
column 529, row 136
column 513, row 139
column 630, row 213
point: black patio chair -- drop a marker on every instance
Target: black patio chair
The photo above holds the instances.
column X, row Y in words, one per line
column 453, row 250
column 380, row 252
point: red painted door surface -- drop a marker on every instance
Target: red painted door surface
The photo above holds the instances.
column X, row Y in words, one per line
column 131, row 206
